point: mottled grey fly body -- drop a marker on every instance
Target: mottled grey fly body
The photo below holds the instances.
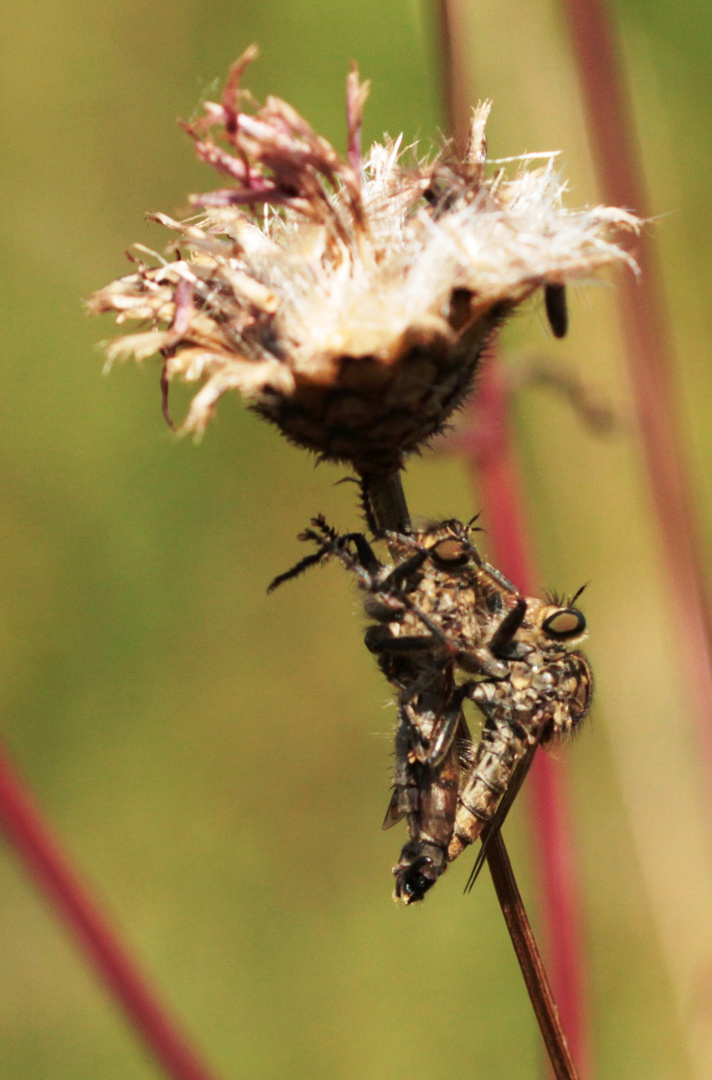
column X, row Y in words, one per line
column 448, row 627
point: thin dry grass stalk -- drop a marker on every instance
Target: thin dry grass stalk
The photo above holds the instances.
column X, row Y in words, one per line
column 348, row 300
column 530, row 962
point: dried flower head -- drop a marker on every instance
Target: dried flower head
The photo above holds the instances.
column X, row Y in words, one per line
column 348, row 300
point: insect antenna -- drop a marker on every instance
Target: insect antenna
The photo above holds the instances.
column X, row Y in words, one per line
column 576, row 595
column 557, row 599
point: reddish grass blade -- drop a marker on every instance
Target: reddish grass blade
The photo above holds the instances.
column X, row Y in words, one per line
column 488, row 448
column 642, row 310
column 41, row 853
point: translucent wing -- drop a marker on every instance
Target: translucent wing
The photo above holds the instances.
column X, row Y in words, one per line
column 490, row 830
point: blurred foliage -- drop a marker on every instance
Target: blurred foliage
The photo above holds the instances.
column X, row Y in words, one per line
column 217, row 760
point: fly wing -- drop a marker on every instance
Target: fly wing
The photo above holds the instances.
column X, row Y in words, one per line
column 424, row 858
column 394, row 814
column 505, row 804
column 427, row 747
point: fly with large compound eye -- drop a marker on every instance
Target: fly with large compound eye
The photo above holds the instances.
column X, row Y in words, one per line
column 439, row 611
column 437, row 608
column 435, row 612
column 546, row 696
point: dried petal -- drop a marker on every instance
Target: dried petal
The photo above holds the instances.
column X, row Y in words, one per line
column 348, row 301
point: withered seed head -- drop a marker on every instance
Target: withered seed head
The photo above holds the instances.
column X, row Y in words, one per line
column 348, row 300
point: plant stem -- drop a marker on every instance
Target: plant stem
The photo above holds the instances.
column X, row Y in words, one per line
column 643, row 316
column 530, row 961
column 41, row 852
column 490, row 456
column 386, row 493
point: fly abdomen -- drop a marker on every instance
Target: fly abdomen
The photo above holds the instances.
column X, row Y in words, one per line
column 497, row 758
column 424, row 857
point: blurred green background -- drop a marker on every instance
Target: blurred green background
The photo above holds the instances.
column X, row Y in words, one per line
column 216, row 759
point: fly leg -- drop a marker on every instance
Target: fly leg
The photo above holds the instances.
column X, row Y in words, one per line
column 329, row 542
column 384, row 643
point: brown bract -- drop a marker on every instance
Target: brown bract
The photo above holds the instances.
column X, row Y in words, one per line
column 348, row 300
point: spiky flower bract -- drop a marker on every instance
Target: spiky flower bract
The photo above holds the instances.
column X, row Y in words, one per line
column 348, row 300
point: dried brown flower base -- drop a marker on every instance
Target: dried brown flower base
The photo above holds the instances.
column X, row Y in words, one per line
column 348, row 300
column 380, row 408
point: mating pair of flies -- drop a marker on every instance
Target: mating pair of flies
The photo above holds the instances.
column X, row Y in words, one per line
column 447, row 627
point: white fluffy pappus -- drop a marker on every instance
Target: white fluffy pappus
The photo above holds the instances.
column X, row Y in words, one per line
column 348, row 300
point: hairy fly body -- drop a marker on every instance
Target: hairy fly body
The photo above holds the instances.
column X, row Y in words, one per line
column 545, row 696
column 448, row 626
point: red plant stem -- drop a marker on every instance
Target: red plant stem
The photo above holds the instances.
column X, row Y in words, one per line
column 642, row 307
column 25, row 829
column 489, row 451
column 488, row 448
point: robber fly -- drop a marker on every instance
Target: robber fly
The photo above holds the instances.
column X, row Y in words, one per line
column 440, row 612
column 545, row 696
column 440, row 608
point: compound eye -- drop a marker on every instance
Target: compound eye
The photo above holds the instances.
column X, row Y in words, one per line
column 450, row 552
column 565, row 623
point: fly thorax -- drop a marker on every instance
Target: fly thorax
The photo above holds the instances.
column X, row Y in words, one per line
column 521, row 677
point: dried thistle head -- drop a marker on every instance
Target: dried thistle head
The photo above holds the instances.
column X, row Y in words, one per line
column 348, row 300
